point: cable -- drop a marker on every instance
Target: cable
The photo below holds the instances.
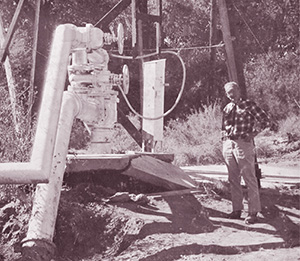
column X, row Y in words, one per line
column 169, row 49
column 176, row 101
column 249, row 28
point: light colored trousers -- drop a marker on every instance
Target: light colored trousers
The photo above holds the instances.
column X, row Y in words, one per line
column 239, row 157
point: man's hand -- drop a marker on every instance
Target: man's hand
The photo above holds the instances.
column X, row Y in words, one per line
column 251, row 136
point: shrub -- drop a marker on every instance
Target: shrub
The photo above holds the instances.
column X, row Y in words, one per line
column 197, row 140
column 273, row 82
column 290, row 125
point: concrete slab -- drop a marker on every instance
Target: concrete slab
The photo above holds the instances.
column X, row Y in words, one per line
column 153, row 168
column 86, row 162
column 159, row 173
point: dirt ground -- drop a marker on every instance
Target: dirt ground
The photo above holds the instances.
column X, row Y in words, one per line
column 116, row 218
column 104, row 224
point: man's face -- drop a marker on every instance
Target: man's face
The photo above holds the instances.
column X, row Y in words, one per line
column 233, row 93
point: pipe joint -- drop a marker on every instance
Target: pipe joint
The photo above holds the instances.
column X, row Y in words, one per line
column 38, row 249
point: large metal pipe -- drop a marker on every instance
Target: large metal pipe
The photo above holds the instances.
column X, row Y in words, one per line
column 39, row 167
column 46, row 201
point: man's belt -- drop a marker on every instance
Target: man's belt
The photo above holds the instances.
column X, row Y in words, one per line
column 234, row 137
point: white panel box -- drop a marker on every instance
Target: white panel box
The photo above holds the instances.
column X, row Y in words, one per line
column 153, row 102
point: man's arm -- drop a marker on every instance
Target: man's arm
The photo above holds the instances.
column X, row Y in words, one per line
column 262, row 119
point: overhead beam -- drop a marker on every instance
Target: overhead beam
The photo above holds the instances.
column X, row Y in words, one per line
column 113, row 13
column 11, row 30
column 131, row 129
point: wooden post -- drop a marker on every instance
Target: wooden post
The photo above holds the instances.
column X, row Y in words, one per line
column 141, row 8
column 212, row 41
column 233, row 16
column 34, row 51
column 229, row 48
column 228, row 41
column 10, row 33
column 44, row 39
column 10, row 80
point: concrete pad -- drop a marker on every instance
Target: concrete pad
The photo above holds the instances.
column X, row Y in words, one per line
column 159, row 173
column 87, row 162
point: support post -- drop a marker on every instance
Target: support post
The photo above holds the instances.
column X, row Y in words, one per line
column 10, row 80
column 33, row 63
column 228, row 41
column 232, row 60
column 212, row 41
column 10, row 33
column 44, row 38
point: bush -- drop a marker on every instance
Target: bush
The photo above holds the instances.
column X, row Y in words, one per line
column 273, row 82
column 290, row 125
column 197, row 140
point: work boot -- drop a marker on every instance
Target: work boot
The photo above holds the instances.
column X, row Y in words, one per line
column 251, row 218
column 235, row 214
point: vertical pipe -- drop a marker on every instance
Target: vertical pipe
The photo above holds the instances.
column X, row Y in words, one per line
column 46, row 201
column 133, row 23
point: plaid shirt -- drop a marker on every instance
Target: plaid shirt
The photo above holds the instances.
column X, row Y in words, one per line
column 243, row 119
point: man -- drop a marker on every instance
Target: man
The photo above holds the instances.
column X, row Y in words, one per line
column 242, row 121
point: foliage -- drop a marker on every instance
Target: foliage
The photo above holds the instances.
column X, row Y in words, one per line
column 196, row 140
column 181, row 24
column 265, row 25
column 273, row 81
column 15, row 140
column 290, row 125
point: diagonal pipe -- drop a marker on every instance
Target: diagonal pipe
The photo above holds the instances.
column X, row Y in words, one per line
column 45, row 206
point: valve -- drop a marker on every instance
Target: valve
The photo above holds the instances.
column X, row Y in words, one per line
column 110, row 38
column 93, row 83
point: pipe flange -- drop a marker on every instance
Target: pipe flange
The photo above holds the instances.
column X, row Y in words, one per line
column 38, row 249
